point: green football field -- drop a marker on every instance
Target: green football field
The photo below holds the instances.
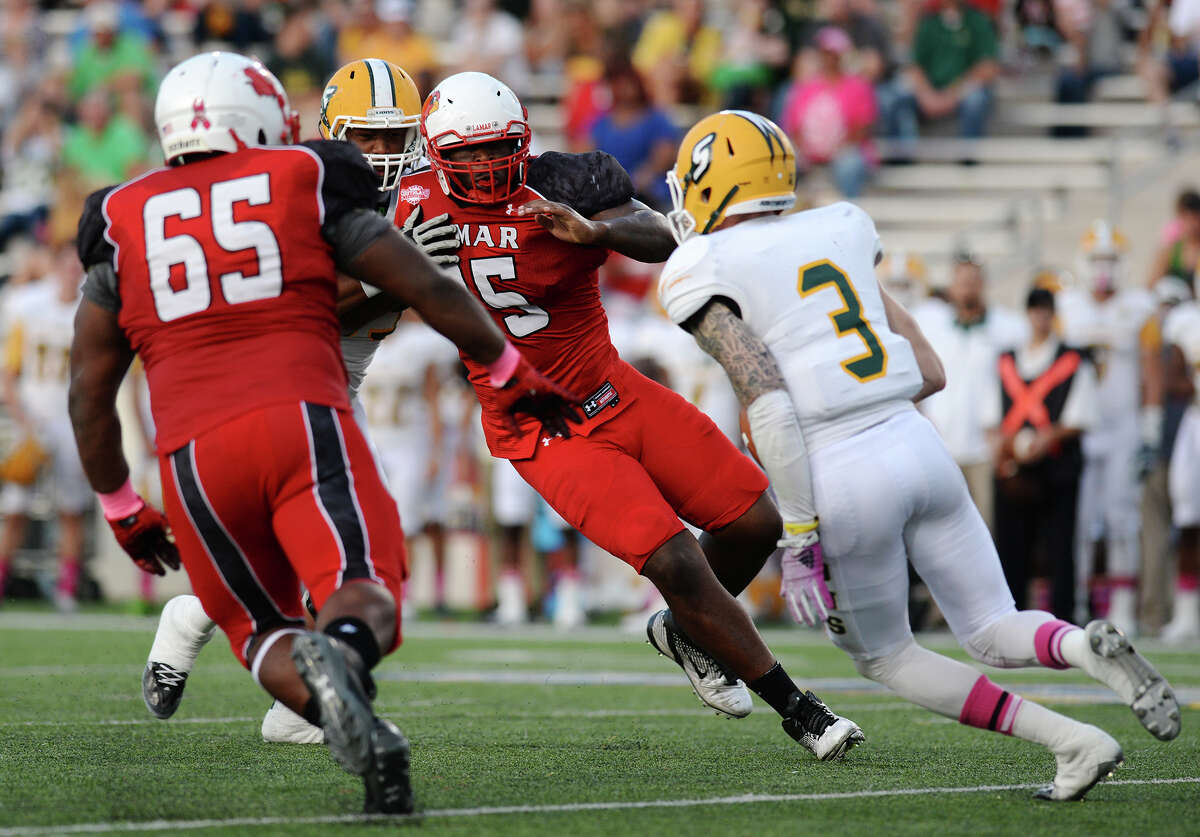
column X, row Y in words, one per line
column 531, row 732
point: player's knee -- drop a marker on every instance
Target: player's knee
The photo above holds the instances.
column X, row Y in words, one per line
column 678, row 567
column 883, row 669
column 757, row 530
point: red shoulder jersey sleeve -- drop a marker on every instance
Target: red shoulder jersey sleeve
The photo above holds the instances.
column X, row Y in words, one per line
column 542, row 293
column 227, row 287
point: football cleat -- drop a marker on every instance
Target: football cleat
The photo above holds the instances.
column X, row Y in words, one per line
column 825, row 735
column 346, row 715
column 283, row 726
column 1092, row 755
column 162, row 689
column 389, row 790
column 1115, row 663
column 716, row 687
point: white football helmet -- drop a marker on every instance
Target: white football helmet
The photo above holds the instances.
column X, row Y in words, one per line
column 222, row 101
column 471, row 109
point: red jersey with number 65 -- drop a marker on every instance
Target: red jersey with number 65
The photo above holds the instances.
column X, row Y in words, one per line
column 224, row 282
column 541, row 291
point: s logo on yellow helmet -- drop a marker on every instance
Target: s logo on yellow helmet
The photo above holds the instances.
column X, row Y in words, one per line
column 701, row 158
column 329, row 93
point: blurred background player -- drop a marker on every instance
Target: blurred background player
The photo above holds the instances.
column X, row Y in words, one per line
column 1181, row 332
column 38, row 326
column 827, row 368
column 403, row 399
column 534, row 232
column 1107, row 317
column 375, row 105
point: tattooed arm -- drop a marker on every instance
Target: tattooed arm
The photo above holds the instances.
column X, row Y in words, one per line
column 760, row 388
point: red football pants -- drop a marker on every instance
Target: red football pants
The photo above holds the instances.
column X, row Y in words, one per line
column 285, row 494
column 626, row 484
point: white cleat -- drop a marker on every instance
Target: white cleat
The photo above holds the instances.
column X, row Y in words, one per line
column 1114, row 663
column 568, row 603
column 1092, row 755
column 183, row 630
column 716, row 687
column 824, row 734
column 283, row 726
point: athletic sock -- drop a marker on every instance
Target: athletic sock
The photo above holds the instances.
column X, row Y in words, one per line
column 3, row 576
column 990, row 707
column 68, row 577
column 355, row 633
column 775, row 687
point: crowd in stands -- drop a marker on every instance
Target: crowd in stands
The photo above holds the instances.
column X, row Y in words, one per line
column 856, row 83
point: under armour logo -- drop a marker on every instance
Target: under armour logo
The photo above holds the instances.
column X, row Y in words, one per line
column 510, row 210
column 199, row 117
column 545, row 441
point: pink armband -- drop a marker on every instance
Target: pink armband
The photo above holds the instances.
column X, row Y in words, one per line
column 503, row 367
column 120, row 503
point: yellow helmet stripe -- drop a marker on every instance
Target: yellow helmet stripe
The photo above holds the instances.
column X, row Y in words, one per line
column 383, row 87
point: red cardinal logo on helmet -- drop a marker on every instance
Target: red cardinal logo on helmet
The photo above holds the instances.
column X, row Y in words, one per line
column 262, row 84
column 431, row 104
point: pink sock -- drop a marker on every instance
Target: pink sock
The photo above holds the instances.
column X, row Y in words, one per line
column 990, row 707
column 1126, row 582
column 68, row 576
column 146, row 585
column 1187, row 582
column 1047, row 643
column 3, row 576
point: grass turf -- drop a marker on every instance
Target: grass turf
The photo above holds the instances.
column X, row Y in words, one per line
column 512, row 720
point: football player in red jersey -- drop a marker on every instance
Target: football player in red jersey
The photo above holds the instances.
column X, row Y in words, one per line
column 375, row 105
column 534, row 230
column 220, row 272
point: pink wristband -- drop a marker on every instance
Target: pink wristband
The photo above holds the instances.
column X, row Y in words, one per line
column 120, row 503
column 503, row 367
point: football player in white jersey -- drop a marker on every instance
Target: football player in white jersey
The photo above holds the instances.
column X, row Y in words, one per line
column 1109, row 320
column 1181, row 330
column 374, row 104
column 39, row 324
column 827, row 367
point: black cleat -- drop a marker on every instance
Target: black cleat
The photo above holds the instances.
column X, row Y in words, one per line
column 346, row 715
column 825, row 735
column 162, row 689
column 389, row 790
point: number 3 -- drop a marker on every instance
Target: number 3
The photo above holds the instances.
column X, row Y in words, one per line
column 163, row 251
column 814, row 277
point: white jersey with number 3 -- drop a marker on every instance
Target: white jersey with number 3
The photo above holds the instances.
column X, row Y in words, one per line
column 805, row 284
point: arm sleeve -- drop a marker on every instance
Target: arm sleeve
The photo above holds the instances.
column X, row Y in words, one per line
column 352, row 233
column 588, row 183
column 691, row 278
column 90, row 243
column 775, row 431
column 348, row 183
column 100, row 286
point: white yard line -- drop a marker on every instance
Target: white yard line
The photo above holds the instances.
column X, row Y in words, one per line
column 576, row 807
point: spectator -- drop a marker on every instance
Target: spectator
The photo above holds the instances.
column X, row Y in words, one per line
column 954, row 65
column 1180, row 67
column 302, row 58
column 387, row 32
column 830, row 116
column 111, row 58
column 29, row 154
column 1048, row 395
column 754, row 53
column 1181, row 255
column 641, row 136
column 969, row 336
column 1094, row 33
column 239, row 26
column 546, row 35
column 103, row 148
column 677, row 51
column 491, row 41
column 873, row 57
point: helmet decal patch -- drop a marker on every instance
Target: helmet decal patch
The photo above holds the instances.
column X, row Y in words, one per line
column 329, row 93
column 701, row 157
column 432, row 103
column 199, row 117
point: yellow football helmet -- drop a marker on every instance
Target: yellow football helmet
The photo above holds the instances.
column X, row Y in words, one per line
column 730, row 163
column 374, row 94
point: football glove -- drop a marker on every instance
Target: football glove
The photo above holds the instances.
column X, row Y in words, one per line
column 529, row 392
column 437, row 237
column 147, row 539
column 803, row 585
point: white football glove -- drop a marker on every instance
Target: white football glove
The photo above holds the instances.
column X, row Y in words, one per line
column 803, row 585
column 438, row 237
